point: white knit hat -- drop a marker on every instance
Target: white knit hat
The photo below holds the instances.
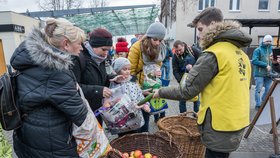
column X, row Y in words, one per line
column 267, row 38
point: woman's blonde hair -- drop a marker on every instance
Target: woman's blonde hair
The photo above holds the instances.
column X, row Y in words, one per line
column 148, row 49
column 57, row 29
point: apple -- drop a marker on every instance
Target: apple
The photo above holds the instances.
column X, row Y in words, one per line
column 132, row 154
column 125, row 155
column 137, row 153
column 142, row 156
column 154, row 156
column 148, row 155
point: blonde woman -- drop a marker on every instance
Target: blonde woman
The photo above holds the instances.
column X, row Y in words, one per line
column 47, row 91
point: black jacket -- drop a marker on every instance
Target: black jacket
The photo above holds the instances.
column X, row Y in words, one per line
column 179, row 62
column 47, row 92
column 92, row 78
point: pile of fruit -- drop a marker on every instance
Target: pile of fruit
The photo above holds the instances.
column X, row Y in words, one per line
column 138, row 154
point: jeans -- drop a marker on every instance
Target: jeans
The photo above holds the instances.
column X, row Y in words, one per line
column 159, row 116
column 165, row 70
column 214, row 154
column 261, row 82
column 183, row 107
column 145, row 127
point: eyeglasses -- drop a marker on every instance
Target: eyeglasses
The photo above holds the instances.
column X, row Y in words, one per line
column 156, row 39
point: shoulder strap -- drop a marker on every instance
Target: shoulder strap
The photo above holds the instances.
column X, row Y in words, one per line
column 82, row 61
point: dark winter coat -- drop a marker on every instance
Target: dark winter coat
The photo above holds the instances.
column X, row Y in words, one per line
column 179, row 62
column 92, row 78
column 48, row 94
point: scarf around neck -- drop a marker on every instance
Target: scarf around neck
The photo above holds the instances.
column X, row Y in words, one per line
column 98, row 59
column 161, row 56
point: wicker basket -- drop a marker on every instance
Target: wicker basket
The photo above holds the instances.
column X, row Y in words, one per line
column 156, row 144
column 185, row 134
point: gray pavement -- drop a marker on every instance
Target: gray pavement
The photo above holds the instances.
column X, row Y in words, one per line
column 257, row 145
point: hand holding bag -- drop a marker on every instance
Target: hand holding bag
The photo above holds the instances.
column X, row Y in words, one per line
column 90, row 137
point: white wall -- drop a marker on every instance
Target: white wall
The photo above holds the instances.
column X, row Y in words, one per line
column 187, row 10
column 12, row 39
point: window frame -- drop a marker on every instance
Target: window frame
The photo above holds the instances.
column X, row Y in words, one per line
column 268, row 2
column 234, row 5
column 203, row 4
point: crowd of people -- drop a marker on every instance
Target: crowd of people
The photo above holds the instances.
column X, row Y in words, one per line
column 56, row 61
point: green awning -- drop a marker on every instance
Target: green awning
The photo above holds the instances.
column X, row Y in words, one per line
column 118, row 22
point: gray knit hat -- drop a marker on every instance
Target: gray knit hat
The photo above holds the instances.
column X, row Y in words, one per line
column 119, row 63
column 156, row 30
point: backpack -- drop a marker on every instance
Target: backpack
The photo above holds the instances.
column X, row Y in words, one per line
column 10, row 117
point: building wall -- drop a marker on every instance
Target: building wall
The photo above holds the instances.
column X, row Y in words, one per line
column 11, row 40
column 188, row 9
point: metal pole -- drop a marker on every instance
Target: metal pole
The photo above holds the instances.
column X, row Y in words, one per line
column 278, row 36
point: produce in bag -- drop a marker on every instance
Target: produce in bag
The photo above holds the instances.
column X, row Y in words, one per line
column 90, row 137
column 152, row 80
column 121, row 114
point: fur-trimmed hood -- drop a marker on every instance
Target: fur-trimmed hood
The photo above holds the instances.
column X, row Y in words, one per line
column 228, row 31
column 35, row 51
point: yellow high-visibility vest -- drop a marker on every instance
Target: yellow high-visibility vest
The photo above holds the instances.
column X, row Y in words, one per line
column 227, row 96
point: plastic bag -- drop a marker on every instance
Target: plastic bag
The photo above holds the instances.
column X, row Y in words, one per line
column 90, row 137
column 122, row 116
column 5, row 148
column 152, row 80
column 183, row 85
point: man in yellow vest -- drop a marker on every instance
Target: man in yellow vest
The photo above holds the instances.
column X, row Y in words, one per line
column 222, row 75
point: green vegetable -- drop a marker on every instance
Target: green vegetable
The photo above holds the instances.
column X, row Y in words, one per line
column 148, row 98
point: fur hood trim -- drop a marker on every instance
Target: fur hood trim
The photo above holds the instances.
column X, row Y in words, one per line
column 225, row 31
column 45, row 55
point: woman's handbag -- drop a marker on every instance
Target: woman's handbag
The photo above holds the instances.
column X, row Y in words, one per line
column 90, row 137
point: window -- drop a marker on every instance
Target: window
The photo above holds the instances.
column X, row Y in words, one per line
column 202, row 4
column 263, row 4
column 234, row 5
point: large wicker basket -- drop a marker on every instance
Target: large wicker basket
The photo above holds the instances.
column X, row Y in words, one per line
column 155, row 144
column 185, row 134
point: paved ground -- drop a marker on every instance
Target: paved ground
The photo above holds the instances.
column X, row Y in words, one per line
column 258, row 145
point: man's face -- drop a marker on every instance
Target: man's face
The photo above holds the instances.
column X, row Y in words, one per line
column 200, row 29
column 267, row 43
column 179, row 49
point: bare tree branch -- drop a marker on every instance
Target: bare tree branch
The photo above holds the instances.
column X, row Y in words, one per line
column 59, row 4
column 98, row 3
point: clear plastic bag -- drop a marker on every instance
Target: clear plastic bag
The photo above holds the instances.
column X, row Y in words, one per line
column 122, row 115
column 152, row 80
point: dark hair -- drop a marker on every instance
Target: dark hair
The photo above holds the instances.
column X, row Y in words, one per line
column 121, row 39
column 208, row 15
column 178, row 42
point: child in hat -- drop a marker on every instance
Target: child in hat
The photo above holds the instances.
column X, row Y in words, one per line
column 121, row 48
